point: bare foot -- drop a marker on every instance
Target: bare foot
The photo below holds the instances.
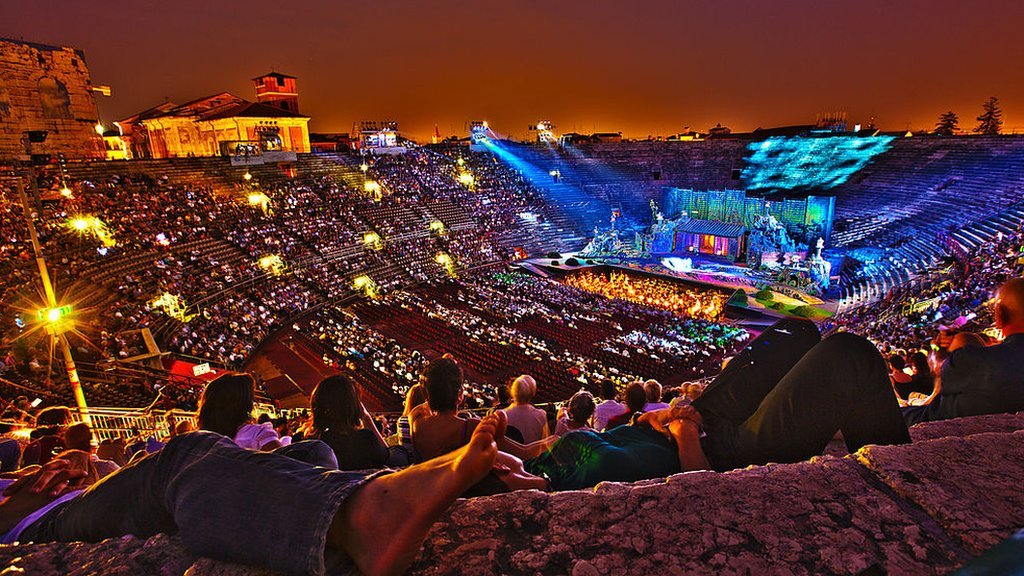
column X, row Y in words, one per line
column 383, row 524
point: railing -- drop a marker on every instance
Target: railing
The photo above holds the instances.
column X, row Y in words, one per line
column 109, row 423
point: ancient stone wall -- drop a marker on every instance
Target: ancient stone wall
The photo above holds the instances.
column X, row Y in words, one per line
column 46, row 88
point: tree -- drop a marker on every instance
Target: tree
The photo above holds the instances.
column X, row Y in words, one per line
column 948, row 124
column 991, row 119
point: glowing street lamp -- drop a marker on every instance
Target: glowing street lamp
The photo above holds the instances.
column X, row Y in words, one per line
column 247, row 176
column 466, row 179
column 65, row 191
column 366, row 285
column 100, row 129
column 437, row 227
column 373, row 240
column 446, row 261
column 53, row 318
column 57, row 320
column 272, row 264
column 364, row 167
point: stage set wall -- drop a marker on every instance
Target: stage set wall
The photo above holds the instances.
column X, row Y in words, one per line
column 736, row 206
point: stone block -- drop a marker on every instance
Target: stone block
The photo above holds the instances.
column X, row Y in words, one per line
column 966, row 426
column 815, row 517
column 971, row 486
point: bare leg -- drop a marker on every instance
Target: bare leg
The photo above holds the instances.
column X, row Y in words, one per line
column 383, row 524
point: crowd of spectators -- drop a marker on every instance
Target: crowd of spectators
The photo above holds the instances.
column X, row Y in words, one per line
column 954, row 295
column 119, row 242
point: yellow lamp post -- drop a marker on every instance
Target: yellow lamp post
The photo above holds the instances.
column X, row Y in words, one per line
column 57, row 318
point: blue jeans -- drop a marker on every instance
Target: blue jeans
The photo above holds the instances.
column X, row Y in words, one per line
column 10, row 454
column 224, row 502
column 314, row 452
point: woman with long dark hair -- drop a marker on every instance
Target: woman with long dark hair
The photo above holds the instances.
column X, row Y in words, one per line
column 226, row 408
column 340, row 419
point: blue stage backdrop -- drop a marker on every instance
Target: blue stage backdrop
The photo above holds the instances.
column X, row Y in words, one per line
column 809, row 163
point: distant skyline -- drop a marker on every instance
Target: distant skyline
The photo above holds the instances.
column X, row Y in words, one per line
column 645, row 67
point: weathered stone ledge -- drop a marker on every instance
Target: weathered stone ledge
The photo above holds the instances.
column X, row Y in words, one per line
column 923, row 508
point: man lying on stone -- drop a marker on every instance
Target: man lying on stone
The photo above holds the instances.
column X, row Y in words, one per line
column 976, row 379
column 220, row 499
column 782, row 399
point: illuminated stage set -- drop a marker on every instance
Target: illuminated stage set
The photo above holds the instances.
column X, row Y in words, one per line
column 772, row 235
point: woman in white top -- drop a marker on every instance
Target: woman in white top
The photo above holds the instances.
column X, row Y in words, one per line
column 226, row 408
column 531, row 421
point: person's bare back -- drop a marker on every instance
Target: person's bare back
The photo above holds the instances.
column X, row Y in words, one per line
column 437, row 434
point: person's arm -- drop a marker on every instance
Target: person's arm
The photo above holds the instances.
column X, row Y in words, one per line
column 270, row 446
column 962, row 369
column 686, row 433
column 370, row 425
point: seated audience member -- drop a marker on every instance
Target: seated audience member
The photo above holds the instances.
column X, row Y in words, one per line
column 226, row 408
column 967, row 339
column 341, row 420
column 636, row 399
column 578, row 413
column 531, row 422
column 113, row 449
column 415, row 401
column 48, row 437
column 608, row 408
column 10, row 454
column 441, row 429
column 17, row 411
column 653, row 389
column 922, row 382
column 981, row 379
column 898, row 376
column 79, row 437
column 502, row 397
column 204, row 488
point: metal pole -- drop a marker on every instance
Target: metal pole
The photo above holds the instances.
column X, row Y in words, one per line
column 51, row 301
